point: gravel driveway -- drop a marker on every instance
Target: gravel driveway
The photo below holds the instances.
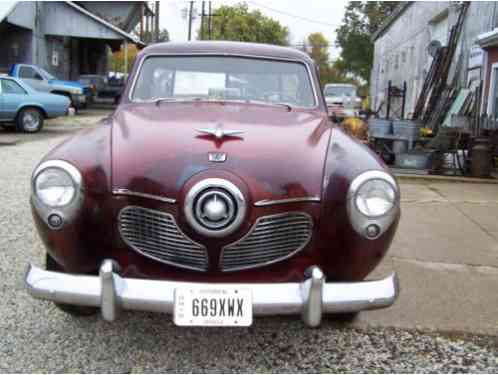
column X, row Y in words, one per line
column 36, row 337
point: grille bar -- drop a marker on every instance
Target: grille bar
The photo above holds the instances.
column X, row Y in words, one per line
column 271, row 239
column 155, row 234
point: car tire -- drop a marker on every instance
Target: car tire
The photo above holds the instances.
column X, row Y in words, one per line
column 74, row 310
column 29, row 120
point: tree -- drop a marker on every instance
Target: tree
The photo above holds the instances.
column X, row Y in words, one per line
column 361, row 20
column 238, row 23
column 317, row 46
column 150, row 36
column 116, row 60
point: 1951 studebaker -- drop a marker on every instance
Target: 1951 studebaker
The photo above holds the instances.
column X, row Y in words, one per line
column 218, row 190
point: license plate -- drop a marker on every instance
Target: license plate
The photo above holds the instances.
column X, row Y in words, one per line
column 226, row 307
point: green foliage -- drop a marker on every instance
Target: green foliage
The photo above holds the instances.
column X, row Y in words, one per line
column 239, row 24
column 361, row 20
column 316, row 45
column 150, row 37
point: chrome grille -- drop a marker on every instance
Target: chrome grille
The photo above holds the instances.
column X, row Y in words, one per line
column 155, row 235
column 271, row 239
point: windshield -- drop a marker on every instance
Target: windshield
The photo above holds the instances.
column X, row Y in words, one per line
column 46, row 75
column 224, row 78
column 347, row 91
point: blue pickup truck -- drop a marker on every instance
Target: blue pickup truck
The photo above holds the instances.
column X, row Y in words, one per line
column 39, row 79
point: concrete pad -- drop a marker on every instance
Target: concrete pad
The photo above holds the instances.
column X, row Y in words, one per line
column 441, row 297
column 419, row 193
column 439, row 232
column 485, row 215
column 466, row 192
column 8, row 140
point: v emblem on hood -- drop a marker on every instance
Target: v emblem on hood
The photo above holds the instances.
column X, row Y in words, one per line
column 219, row 132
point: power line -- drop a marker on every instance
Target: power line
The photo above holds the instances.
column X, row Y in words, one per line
column 292, row 15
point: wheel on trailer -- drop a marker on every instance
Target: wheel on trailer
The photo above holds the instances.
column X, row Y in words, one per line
column 74, row 310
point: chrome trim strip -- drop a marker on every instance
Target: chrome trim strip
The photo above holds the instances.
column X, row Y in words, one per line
column 310, row 298
column 143, row 195
column 278, row 259
column 358, row 220
column 68, row 212
column 274, row 58
column 271, row 202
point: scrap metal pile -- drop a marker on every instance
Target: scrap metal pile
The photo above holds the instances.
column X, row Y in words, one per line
column 437, row 96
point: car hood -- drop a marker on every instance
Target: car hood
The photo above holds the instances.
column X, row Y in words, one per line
column 156, row 149
column 74, row 84
column 52, row 98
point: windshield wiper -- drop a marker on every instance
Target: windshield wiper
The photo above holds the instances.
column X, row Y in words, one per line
column 178, row 100
column 168, row 100
column 286, row 105
column 157, row 101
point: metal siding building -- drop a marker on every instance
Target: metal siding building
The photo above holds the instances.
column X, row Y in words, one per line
column 62, row 37
column 401, row 45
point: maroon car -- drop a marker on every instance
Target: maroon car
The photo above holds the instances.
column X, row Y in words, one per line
column 216, row 191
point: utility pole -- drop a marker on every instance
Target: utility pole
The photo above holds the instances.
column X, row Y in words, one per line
column 141, row 21
column 157, row 21
column 202, row 19
column 210, row 24
column 190, row 17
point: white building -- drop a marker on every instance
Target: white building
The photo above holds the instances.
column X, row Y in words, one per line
column 401, row 53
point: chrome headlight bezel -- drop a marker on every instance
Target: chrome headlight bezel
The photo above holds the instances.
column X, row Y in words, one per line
column 361, row 220
column 66, row 211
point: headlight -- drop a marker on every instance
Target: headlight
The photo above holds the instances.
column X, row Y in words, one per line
column 76, row 91
column 375, row 198
column 54, row 187
column 57, row 192
column 373, row 203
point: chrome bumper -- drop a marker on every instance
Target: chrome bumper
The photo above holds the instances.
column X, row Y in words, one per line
column 112, row 293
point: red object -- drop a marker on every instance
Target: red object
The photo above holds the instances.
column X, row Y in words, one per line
column 155, row 149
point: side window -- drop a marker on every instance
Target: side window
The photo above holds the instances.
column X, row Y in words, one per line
column 29, row 73
column 11, row 87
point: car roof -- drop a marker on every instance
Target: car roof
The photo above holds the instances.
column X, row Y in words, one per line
column 228, row 48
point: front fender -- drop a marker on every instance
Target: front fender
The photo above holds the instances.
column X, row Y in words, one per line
column 347, row 255
column 77, row 244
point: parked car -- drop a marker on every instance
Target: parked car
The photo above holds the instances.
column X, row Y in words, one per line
column 103, row 87
column 218, row 190
column 42, row 81
column 26, row 108
column 342, row 100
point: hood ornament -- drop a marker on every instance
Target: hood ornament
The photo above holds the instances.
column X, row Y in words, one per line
column 219, row 132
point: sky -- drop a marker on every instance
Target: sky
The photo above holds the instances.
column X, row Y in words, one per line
column 295, row 14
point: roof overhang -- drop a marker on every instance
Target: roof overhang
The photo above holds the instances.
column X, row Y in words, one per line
column 391, row 19
column 488, row 39
column 126, row 36
column 6, row 7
